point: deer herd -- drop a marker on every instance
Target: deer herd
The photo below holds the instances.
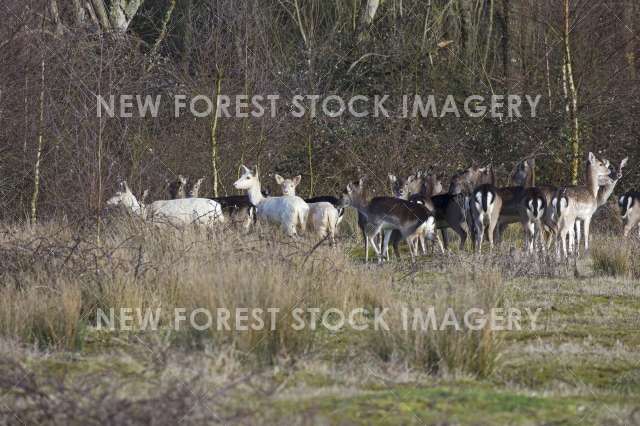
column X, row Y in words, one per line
column 417, row 208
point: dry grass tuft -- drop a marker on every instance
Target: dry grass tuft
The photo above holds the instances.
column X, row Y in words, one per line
column 616, row 257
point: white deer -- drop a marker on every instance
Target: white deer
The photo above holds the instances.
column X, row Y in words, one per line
column 323, row 216
column 178, row 212
column 290, row 212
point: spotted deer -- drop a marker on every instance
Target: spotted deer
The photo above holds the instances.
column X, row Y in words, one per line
column 573, row 203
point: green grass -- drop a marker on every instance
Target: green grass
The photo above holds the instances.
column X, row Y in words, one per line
column 464, row 403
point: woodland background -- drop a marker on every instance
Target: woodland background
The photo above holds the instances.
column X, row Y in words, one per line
column 58, row 157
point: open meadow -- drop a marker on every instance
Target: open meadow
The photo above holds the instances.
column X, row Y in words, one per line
column 580, row 365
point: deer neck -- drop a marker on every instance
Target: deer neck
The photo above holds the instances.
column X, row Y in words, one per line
column 531, row 178
column 605, row 191
column 592, row 180
column 360, row 204
column 255, row 194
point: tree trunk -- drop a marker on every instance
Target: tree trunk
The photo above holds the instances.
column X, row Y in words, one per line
column 101, row 13
column 214, row 138
column 571, row 99
column 630, row 37
column 369, row 12
column 78, row 11
column 162, row 35
column 121, row 13
column 504, row 43
column 36, row 167
column 465, row 27
column 489, row 34
column 55, row 16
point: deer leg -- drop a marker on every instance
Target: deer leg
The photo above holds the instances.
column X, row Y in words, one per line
column 578, row 231
column 366, row 248
column 437, row 238
column 457, row 227
column 387, row 237
column 531, row 235
column 375, row 247
column 587, row 225
column 395, row 243
column 492, row 227
column 445, row 238
column 478, row 234
column 572, row 240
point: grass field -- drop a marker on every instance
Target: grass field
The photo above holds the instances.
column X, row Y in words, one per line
column 581, row 365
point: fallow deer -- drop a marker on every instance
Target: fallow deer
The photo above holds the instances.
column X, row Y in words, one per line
column 533, row 206
column 178, row 212
column 574, row 203
column 290, row 212
column 323, row 217
column 194, row 191
column 177, row 188
column 630, row 211
column 388, row 213
column 485, row 205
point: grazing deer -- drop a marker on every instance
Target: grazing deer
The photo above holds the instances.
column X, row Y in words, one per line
column 574, row 203
column 290, row 212
column 485, row 206
column 323, row 216
column 630, row 210
column 178, row 212
column 388, row 213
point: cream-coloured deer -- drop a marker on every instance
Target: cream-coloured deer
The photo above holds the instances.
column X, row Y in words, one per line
column 323, row 217
column 289, row 212
column 178, row 212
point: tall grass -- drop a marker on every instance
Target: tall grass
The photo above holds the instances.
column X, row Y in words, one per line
column 56, row 280
column 616, row 257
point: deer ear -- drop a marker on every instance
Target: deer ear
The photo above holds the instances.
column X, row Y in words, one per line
column 592, row 157
column 279, row 179
column 125, row 186
column 624, row 162
column 245, row 169
column 296, row 180
column 392, row 178
column 349, row 188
